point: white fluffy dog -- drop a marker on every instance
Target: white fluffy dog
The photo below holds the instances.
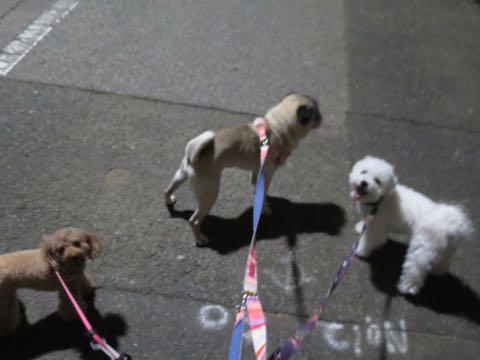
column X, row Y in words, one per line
column 436, row 229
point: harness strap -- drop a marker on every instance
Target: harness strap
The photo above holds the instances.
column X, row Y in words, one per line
column 278, row 155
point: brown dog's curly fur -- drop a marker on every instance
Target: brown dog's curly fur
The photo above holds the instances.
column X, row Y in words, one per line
column 65, row 251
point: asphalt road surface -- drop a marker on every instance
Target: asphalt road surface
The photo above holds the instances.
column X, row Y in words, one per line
column 97, row 101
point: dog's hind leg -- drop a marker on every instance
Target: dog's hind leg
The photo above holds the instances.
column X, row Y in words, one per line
column 442, row 265
column 206, row 191
column 181, row 175
column 417, row 265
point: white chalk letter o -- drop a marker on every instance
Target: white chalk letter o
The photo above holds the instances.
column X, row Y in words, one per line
column 213, row 317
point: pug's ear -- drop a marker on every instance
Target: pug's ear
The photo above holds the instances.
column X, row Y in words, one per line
column 305, row 114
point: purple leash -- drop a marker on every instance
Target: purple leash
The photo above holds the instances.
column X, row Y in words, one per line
column 291, row 346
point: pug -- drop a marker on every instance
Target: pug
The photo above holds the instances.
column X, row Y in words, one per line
column 238, row 146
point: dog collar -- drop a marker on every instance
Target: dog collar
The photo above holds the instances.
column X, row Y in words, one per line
column 278, row 157
column 374, row 205
column 261, row 125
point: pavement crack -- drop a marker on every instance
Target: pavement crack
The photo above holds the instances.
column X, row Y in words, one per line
column 13, row 8
column 414, row 122
column 133, row 97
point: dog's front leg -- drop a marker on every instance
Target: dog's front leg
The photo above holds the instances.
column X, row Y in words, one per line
column 66, row 311
column 254, row 178
column 10, row 315
column 374, row 236
column 86, row 286
column 418, row 263
column 269, row 170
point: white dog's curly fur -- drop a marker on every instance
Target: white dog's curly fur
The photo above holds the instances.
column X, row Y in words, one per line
column 436, row 229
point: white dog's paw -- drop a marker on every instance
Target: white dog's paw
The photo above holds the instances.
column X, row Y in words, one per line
column 359, row 228
column 408, row 287
column 362, row 252
column 170, row 199
column 363, row 249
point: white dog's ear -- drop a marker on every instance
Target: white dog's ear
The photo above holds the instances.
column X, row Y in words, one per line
column 394, row 177
column 392, row 183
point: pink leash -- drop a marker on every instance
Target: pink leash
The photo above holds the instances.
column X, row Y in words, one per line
column 100, row 343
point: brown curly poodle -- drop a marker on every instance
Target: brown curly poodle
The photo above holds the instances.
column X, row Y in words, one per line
column 65, row 251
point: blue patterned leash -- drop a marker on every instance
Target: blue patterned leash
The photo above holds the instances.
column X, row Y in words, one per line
column 251, row 305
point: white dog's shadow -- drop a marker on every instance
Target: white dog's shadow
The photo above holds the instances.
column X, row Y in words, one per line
column 50, row 334
column 444, row 294
column 287, row 219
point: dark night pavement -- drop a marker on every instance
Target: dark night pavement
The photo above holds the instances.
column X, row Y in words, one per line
column 93, row 122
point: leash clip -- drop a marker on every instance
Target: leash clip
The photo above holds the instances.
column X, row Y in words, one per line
column 124, row 356
column 90, row 333
column 246, row 294
column 264, row 142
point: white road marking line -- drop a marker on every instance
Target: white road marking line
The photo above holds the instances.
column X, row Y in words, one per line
column 14, row 52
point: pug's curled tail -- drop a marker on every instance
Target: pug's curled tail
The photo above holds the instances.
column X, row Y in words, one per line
column 197, row 144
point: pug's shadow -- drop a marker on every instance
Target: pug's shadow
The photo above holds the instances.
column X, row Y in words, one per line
column 287, row 219
column 444, row 294
column 50, row 334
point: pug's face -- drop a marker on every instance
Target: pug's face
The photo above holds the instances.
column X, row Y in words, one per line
column 370, row 179
column 299, row 112
column 307, row 112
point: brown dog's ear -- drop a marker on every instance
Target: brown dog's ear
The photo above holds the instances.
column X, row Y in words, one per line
column 48, row 244
column 95, row 246
column 52, row 248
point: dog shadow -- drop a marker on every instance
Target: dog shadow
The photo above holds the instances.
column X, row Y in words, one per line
column 52, row 334
column 444, row 294
column 301, row 310
column 287, row 219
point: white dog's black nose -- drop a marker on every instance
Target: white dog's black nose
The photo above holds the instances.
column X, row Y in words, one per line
column 362, row 188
